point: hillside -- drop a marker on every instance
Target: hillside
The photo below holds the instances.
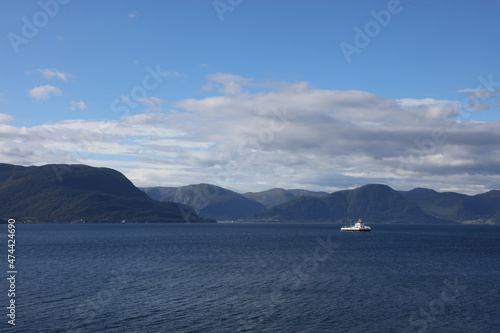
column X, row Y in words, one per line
column 277, row 196
column 372, row 203
column 209, row 201
column 6, row 171
column 77, row 192
column 481, row 208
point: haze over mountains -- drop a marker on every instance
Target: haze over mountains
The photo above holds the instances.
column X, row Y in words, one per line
column 75, row 193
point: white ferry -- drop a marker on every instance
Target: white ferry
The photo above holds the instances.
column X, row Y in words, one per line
column 357, row 227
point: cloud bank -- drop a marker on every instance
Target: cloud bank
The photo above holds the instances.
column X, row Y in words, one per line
column 254, row 135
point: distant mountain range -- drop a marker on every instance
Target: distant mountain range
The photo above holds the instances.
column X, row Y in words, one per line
column 77, row 193
column 482, row 208
column 372, row 203
column 222, row 204
column 208, row 201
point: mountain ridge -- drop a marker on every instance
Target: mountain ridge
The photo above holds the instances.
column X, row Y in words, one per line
column 209, row 200
column 342, row 206
column 276, row 196
column 71, row 193
column 479, row 208
column 374, row 203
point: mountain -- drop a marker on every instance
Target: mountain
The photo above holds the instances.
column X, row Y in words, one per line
column 159, row 193
column 372, row 203
column 277, row 196
column 209, row 201
column 77, row 192
column 481, row 208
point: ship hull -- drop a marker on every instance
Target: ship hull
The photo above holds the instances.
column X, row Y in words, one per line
column 355, row 230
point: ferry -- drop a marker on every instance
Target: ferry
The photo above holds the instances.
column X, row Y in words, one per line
column 357, row 227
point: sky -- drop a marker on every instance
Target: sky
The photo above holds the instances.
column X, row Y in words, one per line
column 256, row 94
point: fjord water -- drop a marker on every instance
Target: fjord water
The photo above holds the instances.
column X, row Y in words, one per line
column 256, row 278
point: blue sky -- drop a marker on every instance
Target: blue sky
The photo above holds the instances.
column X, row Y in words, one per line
column 80, row 88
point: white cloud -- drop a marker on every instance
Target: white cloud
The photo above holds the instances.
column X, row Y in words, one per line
column 466, row 90
column 479, row 93
column 153, row 103
column 409, row 102
column 50, row 73
column 228, row 84
column 78, row 105
column 133, row 14
column 43, row 93
column 5, row 118
column 479, row 106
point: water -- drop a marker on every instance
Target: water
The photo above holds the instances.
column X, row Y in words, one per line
column 255, row 278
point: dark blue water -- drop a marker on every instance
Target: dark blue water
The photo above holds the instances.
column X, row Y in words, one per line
column 255, row 278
